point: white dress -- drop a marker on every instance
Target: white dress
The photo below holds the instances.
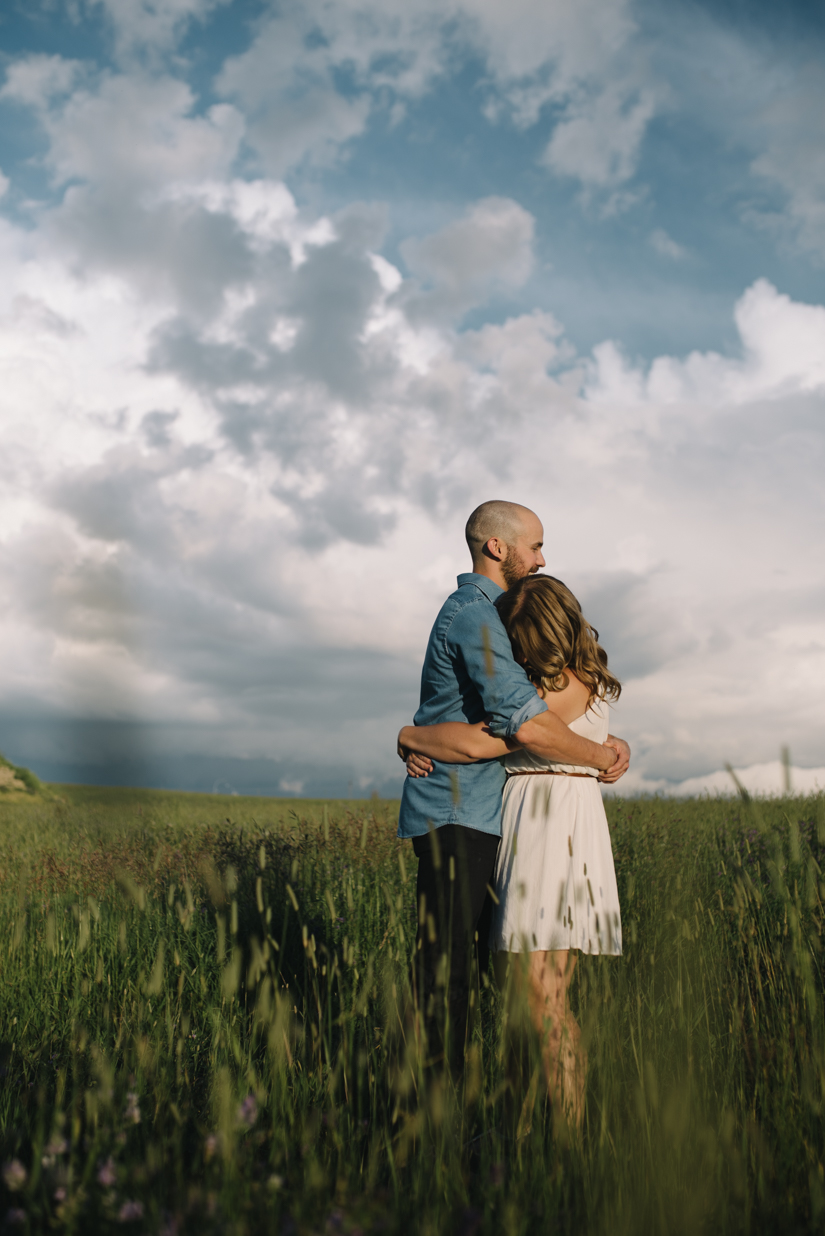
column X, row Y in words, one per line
column 554, row 875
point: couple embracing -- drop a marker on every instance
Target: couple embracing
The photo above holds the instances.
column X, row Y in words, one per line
column 504, row 759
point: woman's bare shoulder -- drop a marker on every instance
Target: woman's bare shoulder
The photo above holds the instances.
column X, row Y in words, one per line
column 570, row 703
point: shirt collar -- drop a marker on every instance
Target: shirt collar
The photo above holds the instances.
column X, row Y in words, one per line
column 491, row 591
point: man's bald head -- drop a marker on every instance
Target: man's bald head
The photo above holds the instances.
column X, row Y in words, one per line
column 504, row 520
column 505, row 541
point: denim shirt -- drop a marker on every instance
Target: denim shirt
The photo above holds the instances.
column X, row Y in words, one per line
column 469, row 674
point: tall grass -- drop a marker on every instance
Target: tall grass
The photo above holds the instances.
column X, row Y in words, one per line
column 207, row 1026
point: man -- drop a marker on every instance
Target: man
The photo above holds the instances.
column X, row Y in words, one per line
column 453, row 812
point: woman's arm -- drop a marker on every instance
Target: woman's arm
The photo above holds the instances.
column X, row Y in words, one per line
column 453, row 742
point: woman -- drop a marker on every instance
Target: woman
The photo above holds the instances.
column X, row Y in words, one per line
column 555, row 882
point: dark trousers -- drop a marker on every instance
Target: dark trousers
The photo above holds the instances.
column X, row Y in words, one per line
column 455, row 866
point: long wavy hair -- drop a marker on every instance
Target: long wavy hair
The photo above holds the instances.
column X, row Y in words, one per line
column 550, row 634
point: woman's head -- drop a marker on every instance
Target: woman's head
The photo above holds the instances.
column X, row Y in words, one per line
column 550, row 634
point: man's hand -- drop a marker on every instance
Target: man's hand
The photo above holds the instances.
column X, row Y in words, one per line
column 622, row 762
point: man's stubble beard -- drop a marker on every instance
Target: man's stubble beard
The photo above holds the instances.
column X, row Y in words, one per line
column 512, row 568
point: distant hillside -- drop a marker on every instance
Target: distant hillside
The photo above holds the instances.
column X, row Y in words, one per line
column 15, row 781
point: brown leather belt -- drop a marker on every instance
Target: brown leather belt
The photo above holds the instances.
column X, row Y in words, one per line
column 546, row 772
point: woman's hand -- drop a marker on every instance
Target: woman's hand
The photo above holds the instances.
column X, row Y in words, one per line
column 417, row 765
column 622, row 760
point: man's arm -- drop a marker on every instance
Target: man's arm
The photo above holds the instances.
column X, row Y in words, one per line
column 419, row 765
column 546, row 736
column 507, row 696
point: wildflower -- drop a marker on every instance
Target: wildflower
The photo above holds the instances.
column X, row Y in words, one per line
column 15, row 1175
column 55, row 1146
column 129, row 1211
column 274, row 1183
column 107, row 1174
column 132, row 1113
column 248, row 1111
column 15, row 1217
column 60, row 1194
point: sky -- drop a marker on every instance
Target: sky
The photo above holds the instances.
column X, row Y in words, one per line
column 287, row 289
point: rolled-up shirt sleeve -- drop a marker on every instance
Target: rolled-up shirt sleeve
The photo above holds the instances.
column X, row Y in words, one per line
column 507, row 694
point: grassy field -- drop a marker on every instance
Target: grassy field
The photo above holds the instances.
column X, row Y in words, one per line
column 205, row 1026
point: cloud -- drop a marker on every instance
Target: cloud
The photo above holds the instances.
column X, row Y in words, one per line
column 597, row 141
column 782, row 132
column 766, row 780
column 138, row 133
column 38, row 80
column 666, row 246
column 143, row 28
column 290, row 787
column 577, row 39
column 289, row 81
column 490, row 249
column 235, row 513
column 316, row 74
column 580, row 62
column 240, row 441
column 783, row 351
column 753, row 97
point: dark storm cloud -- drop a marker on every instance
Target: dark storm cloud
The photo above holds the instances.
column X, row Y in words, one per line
column 77, row 750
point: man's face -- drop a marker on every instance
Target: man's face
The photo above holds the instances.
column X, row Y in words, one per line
column 524, row 557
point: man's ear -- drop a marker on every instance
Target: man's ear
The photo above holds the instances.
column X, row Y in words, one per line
column 495, row 549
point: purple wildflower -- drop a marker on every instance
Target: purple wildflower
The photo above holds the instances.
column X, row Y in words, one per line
column 15, row 1175
column 248, row 1111
column 107, row 1174
column 129, row 1211
column 132, row 1112
column 212, row 1145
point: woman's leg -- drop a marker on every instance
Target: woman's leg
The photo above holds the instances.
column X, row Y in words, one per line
column 548, row 976
column 541, row 981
